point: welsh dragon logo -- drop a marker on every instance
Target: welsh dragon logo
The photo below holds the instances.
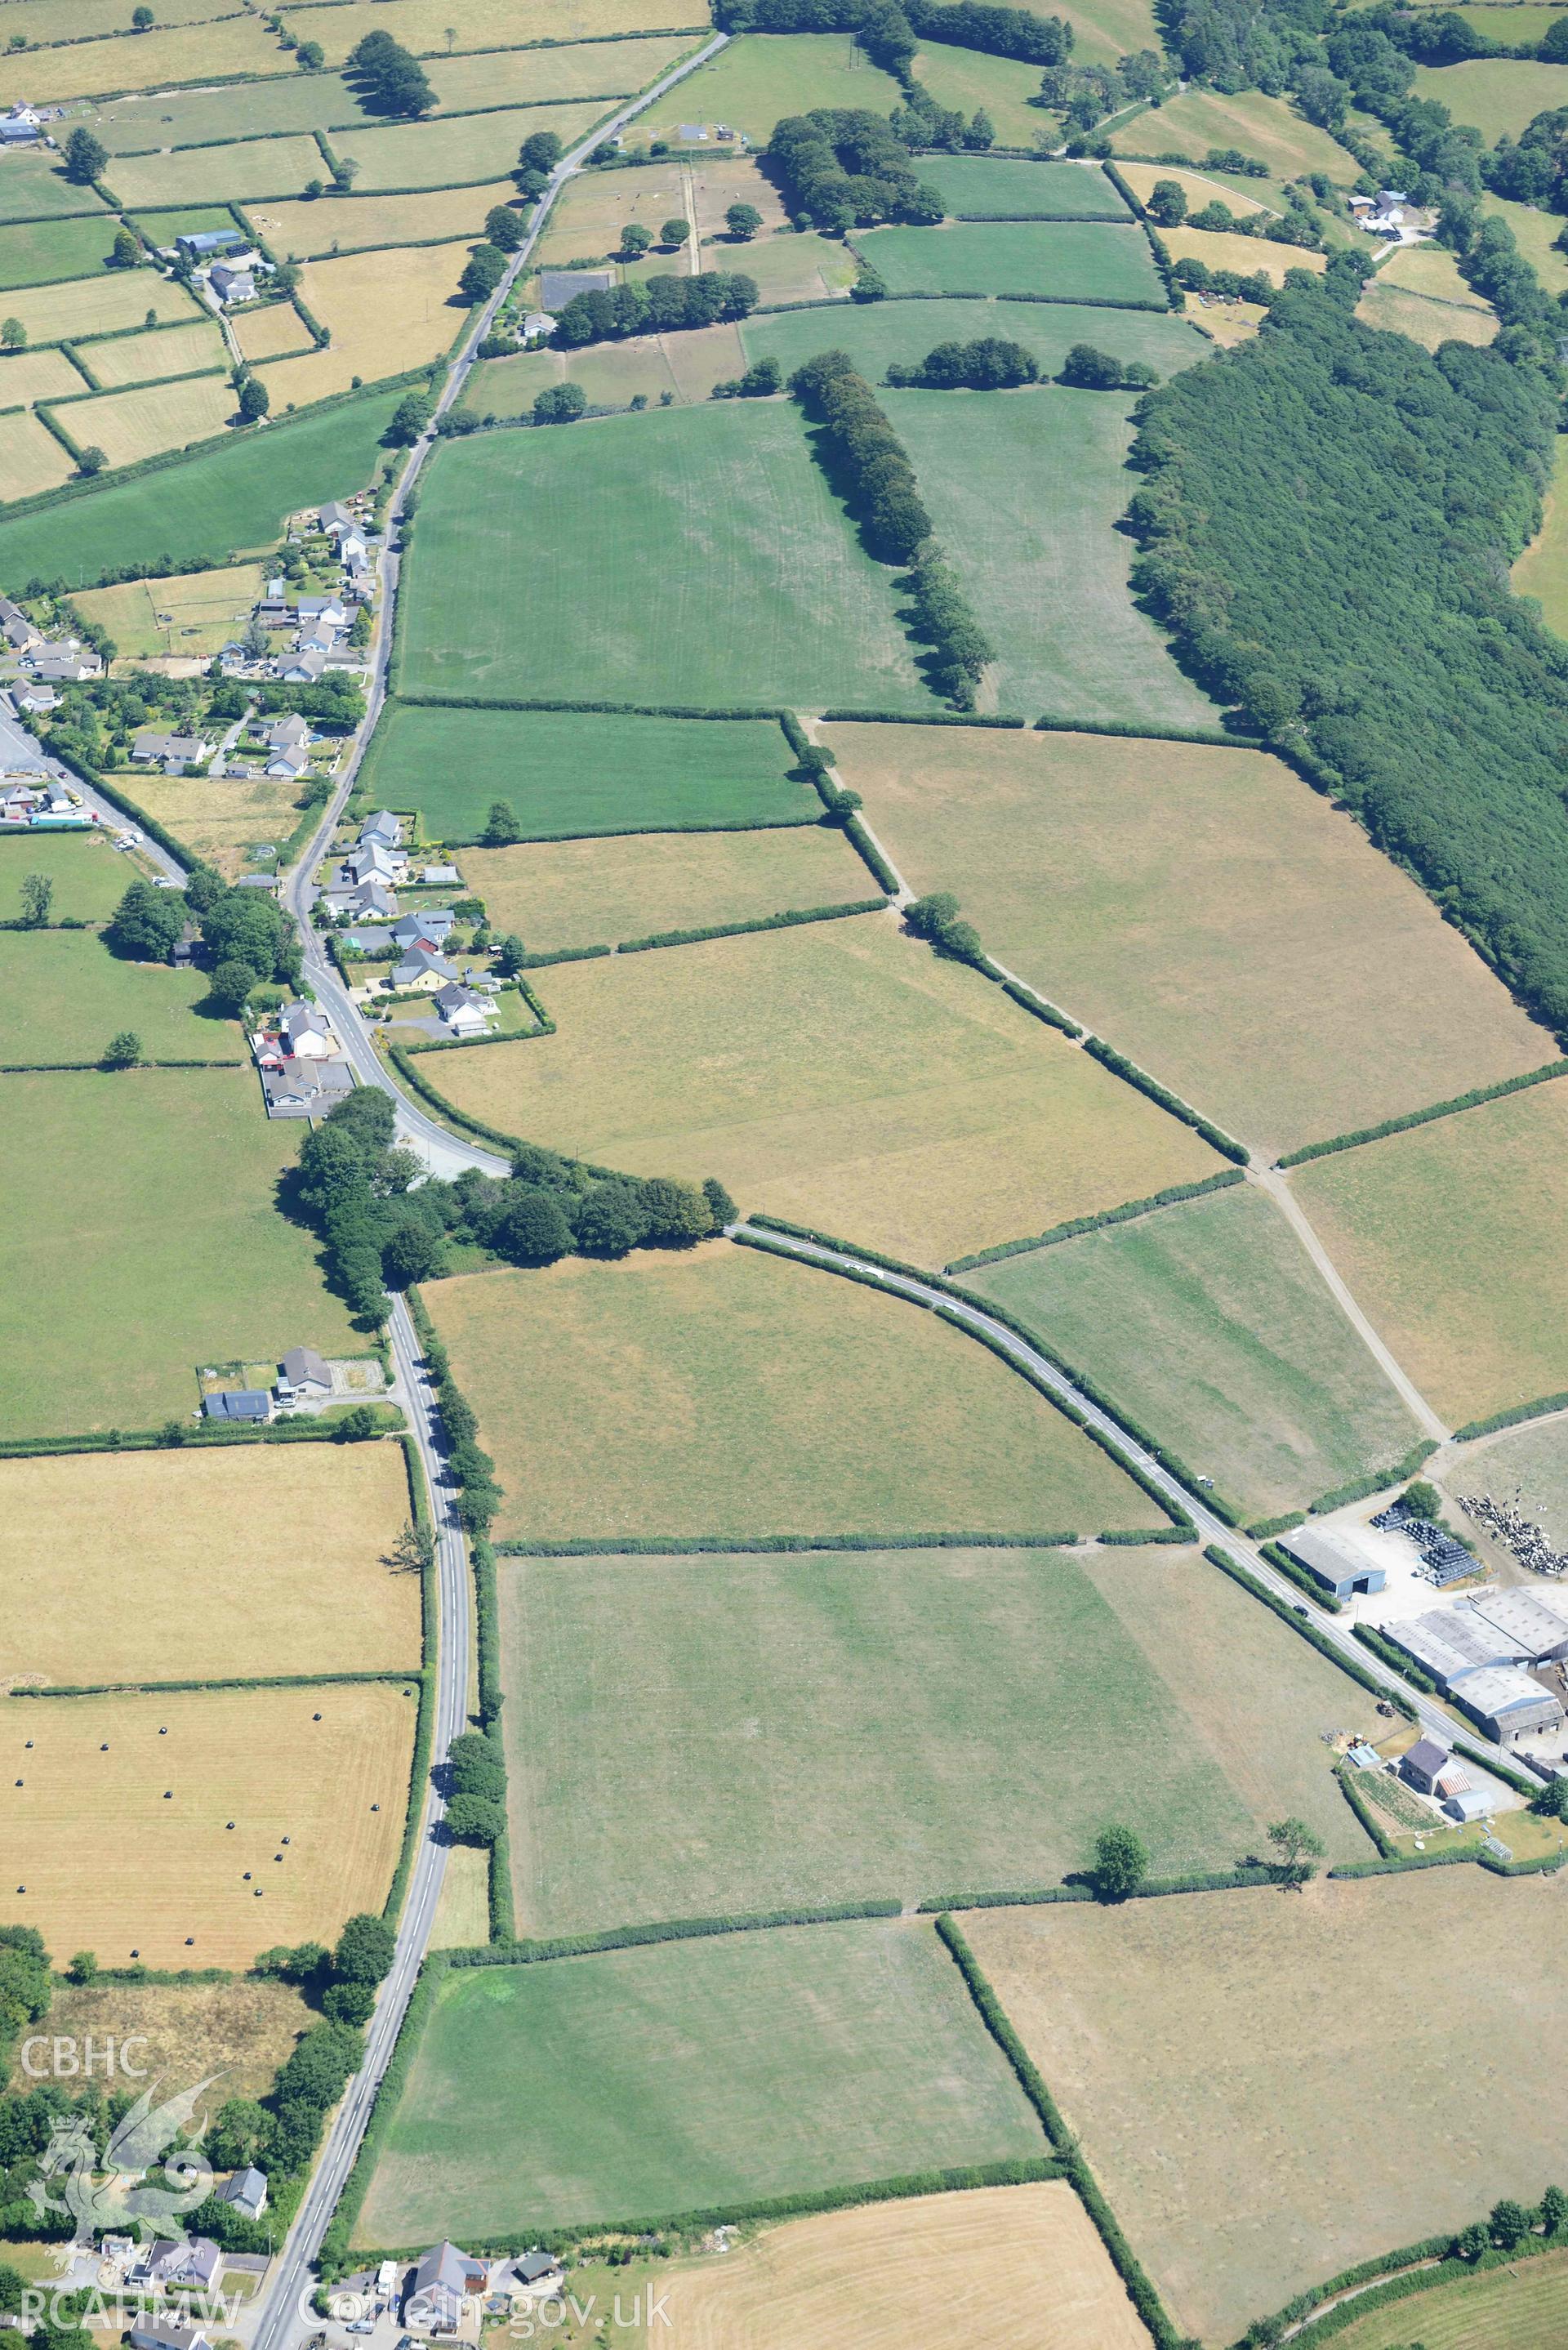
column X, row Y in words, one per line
column 121, row 2190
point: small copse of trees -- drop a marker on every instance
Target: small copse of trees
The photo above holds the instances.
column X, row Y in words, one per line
column 655, row 306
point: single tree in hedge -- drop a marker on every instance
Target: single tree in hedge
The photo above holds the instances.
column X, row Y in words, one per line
column 533, row 1229
column 1121, row 1862
column 255, row 400
column 560, row 403
column 501, row 826
column 675, row 230
column 1511, row 2223
column 611, row 1219
column 483, row 273
column 1555, row 2210
column 12, row 335
column 503, row 228
column 635, row 241
column 365, row 1950
column 1299, row 1848
column 476, row 1819
column 720, row 1207
column 411, row 1254
column 348, row 2003
column 1473, row 2243
column 511, row 954
column 37, row 897
column 743, row 221
column 142, row 19
column 123, row 1050
column 356, row 1427
column 678, row 1213
column 310, row 56
column 410, row 417
column 980, row 132
column 83, row 1968
column 541, row 152
column 84, row 157
column 1167, row 203
column 1552, row 1803
column 126, row 250
column 91, row 461
column 231, row 985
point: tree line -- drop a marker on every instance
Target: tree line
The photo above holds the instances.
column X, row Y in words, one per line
column 959, row 23
column 655, row 306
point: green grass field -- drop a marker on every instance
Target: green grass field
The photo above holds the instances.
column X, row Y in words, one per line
column 986, row 187
column 35, row 187
column 1100, row 261
column 877, row 334
column 728, row 1392
column 1006, row 88
column 42, row 250
column 90, row 878
column 773, row 1758
column 167, row 1250
column 633, row 558
column 563, row 773
column 220, row 504
column 838, row 1074
column 765, row 75
column 1498, row 96
column 1103, row 31
column 63, row 995
column 1208, row 1323
column 685, row 366
column 1268, row 129
column 1536, row 233
column 1026, row 489
column 1450, row 1236
column 702, row 2073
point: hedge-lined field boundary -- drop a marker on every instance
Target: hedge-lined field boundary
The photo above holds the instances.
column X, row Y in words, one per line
column 1152, row 1888
column 225, row 1681
column 424, row 1726
column 1425, row 2266
column 1076, row 1225
column 1132, row 1075
column 1517, row 1414
column 202, row 1437
column 1378, row 1645
column 763, row 922
column 1472, row 1100
column 773, row 1545
column 1395, row 1472
column 1305, row 1628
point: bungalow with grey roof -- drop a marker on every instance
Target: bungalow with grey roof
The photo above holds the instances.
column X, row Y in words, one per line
column 63, row 664
column 444, row 2280
column 19, row 632
column 166, row 2333
column 289, row 734
column 371, row 862
column 289, row 764
column 238, row 1403
column 466, row 1013
column 297, row 1088
column 35, row 701
column 152, row 750
column 384, row 829
column 305, row 1031
column 195, row 2262
column 335, row 517
column 302, row 669
column 246, row 2191
column 302, row 1372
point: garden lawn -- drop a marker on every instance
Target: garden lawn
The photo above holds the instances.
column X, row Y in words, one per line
column 63, row 995
column 580, row 893
column 985, row 187
column 566, row 771
column 1206, row 912
column 1496, row 95
column 111, row 1866
column 1007, row 88
column 35, row 186
column 459, row 149
column 49, row 249
column 200, row 175
column 1268, row 129
column 98, row 305
column 113, row 1563
column 220, row 504
column 696, row 556
column 129, row 426
column 1542, row 569
column 90, row 880
column 1220, row 2056
column 1026, row 489
column 144, row 358
column 704, row 2072
column 201, row 611
column 1450, row 1236
column 703, row 1736
column 1100, row 261
column 877, row 334
column 840, row 1074
column 166, row 1252
column 764, row 76
column 728, row 1392
column 1208, row 1323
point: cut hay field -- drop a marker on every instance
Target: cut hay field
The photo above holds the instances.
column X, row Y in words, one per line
column 594, row 209
column 309, row 231
column 1516, row 2307
column 225, row 47
column 421, row 25
column 1006, row 88
column 387, row 312
column 35, row 187
column 771, row 1757
column 113, row 1865
column 1199, row 187
column 1525, row 1467
column 759, row 2064
column 1209, row 1323
column 1248, row 255
column 201, row 175
column 893, row 2274
column 63, row 995
column 1102, row 261
column 535, row 76
column 1496, row 95
column 565, row 772
column 612, row 375
column 1542, row 569
column 223, row 821
column 1423, row 319
column 90, row 880
column 121, row 1567
column 221, row 504
column 1450, row 1237
column 144, row 359
column 29, row 376
column 877, row 334
column 764, row 76
column 1268, row 129
column 840, row 1074
column 204, row 610
column 46, row 250
column 168, row 1259
column 592, row 892
column 131, row 425
column 716, row 185
column 1026, row 489
column 447, row 152
column 732, row 1393
column 98, row 305
column 1206, row 912
column 763, row 591
column 1429, row 270
column 274, row 332
column 1248, row 2071
column 984, row 187
column 243, row 2028
column 31, row 460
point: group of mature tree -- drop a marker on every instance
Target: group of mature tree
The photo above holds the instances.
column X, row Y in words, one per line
column 1085, row 95
column 1087, row 368
column 843, row 167
column 990, row 363
column 655, row 306
column 890, row 32
column 247, row 936
column 761, row 380
column 475, row 1790
column 866, row 453
column 392, row 80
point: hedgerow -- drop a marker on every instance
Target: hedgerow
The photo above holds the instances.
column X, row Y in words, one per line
column 1359, row 1488
column 1076, row 1224
column 1512, row 1418
column 765, row 922
column 678, row 1545
column 1299, row 1623
column 1131, row 1075
column 1471, row 1101
column 1389, row 1653
column 1302, row 1578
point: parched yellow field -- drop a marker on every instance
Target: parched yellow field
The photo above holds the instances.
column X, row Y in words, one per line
column 891, row 2276
column 716, row 186
column 387, row 312
column 235, row 45
column 1269, row 129
column 302, row 232
column 462, row 1912
column 1205, row 911
column 98, row 305
column 687, row 365
column 1225, row 323
column 1223, row 249
column 243, row 2028
column 1141, row 178
column 1423, row 319
column 199, row 175
column 28, row 376
column 271, row 1559
column 31, row 459
column 840, row 1074
column 204, row 609
column 449, row 150
column 593, row 209
column 43, row 21
column 1429, row 270
column 1450, row 1237
column 539, row 77
column 129, row 1850
column 421, row 25
column 268, row 333
column 576, row 893
column 144, row 359
column 131, row 425
column 222, row 820
column 1249, row 2071
column 718, row 1391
